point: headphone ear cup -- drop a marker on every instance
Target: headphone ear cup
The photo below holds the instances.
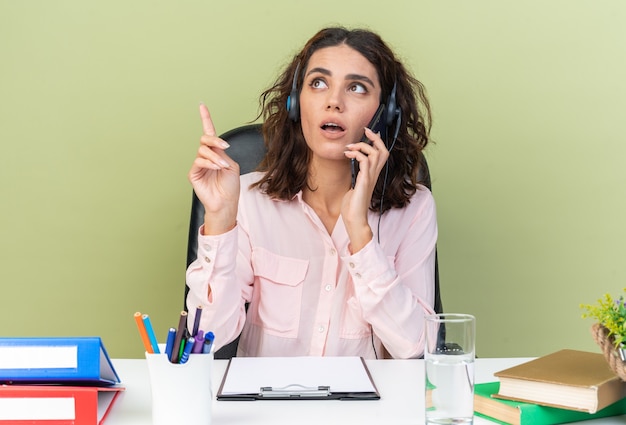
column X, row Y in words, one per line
column 293, row 107
column 392, row 108
column 394, row 114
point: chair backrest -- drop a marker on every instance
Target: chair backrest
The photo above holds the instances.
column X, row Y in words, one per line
column 247, row 149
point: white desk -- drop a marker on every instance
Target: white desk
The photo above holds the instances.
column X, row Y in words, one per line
column 400, row 383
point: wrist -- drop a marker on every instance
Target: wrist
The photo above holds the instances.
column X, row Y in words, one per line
column 217, row 225
column 360, row 238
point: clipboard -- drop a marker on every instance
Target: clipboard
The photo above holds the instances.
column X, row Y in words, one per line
column 297, row 378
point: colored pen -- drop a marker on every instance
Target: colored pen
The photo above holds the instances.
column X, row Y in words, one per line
column 150, row 332
column 196, row 322
column 208, row 342
column 171, row 335
column 143, row 333
column 197, row 346
column 181, row 350
column 180, row 334
column 187, row 352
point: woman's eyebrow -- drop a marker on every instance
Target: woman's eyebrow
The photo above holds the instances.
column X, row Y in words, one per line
column 320, row 70
column 349, row 77
column 359, row 77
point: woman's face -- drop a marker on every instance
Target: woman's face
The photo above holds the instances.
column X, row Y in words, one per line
column 339, row 97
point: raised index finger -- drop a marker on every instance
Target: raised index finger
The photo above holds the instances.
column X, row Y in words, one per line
column 207, row 123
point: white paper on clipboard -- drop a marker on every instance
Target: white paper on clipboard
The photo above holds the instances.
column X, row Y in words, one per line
column 248, row 375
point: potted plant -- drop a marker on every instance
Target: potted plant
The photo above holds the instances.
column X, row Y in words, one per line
column 609, row 330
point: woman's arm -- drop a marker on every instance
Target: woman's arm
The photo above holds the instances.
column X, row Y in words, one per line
column 394, row 297
column 216, row 281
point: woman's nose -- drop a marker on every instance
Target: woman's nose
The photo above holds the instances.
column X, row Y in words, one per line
column 334, row 101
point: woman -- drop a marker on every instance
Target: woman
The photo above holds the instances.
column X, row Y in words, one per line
column 327, row 268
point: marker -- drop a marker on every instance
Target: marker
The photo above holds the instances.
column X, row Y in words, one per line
column 143, row 333
column 180, row 334
column 208, row 342
column 197, row 346
column 150, row 332
column 196, row 322
column 181, row 350
column 187, row 352
column 171, row 335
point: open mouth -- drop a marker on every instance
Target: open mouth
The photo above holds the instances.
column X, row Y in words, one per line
column 332, row 127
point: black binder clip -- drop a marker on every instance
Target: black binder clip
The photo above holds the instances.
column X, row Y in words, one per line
column 294, row 391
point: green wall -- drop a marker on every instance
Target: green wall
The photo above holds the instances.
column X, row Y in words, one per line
column 99, row 125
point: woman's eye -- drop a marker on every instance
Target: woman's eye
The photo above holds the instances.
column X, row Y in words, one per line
column 318, row 84
column 358, row 88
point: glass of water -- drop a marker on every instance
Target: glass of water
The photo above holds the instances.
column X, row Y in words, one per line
column 449, row 359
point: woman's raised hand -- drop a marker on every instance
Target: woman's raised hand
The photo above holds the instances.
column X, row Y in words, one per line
column 215, row 179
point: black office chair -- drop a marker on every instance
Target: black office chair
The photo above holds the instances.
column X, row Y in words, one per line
column 247, row 149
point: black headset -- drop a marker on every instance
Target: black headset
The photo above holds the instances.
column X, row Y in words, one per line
column 392, row 113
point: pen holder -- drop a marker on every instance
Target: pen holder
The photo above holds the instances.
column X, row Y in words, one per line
column 181, row 393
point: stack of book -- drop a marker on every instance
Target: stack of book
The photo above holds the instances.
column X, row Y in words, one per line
column 56, row 380
column 565, row 386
